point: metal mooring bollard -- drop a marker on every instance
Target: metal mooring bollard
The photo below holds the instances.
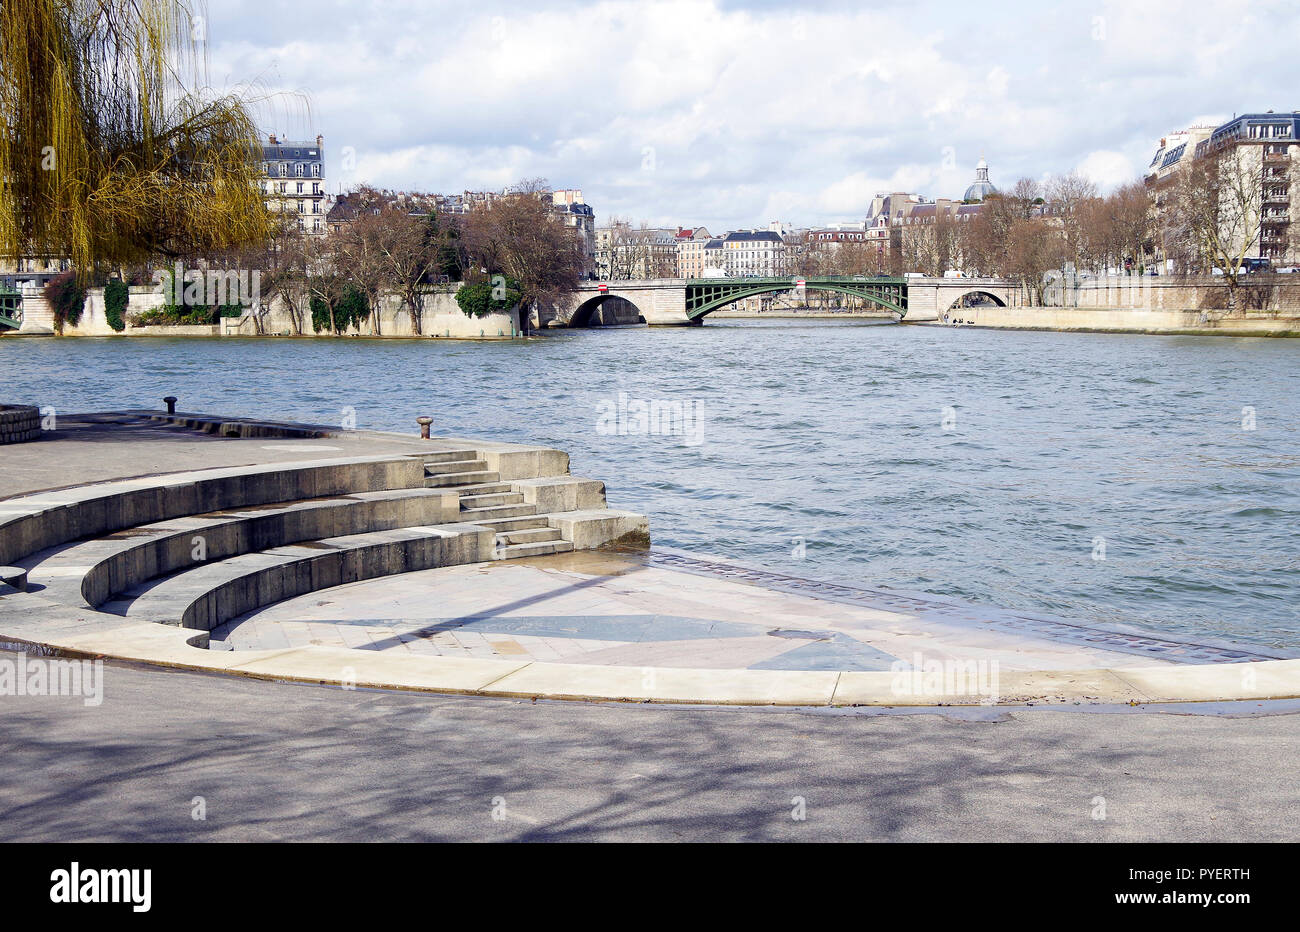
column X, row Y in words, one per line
column 171, row 404
column 424, row 423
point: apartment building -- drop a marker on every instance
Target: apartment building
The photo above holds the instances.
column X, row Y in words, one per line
column 690, row 251
column 568, row 203
column 1269, row 144
column 745, row 254
column 625, row 252
column 293, row 180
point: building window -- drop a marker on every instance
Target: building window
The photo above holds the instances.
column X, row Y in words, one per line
column 300, row 187
column 284, row 169
column 315, row 170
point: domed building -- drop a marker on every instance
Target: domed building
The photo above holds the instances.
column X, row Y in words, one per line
column 982, row 187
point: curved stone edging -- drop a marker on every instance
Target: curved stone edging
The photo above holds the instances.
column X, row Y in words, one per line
column 175, row 647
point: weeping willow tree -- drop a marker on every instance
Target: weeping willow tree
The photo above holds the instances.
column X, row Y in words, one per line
column 110, row 153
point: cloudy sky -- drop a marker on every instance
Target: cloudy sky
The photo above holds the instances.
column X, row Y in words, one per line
column 732, row 113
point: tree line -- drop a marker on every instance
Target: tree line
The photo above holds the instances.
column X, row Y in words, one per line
column 388, row 244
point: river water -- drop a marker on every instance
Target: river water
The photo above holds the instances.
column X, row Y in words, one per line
column 1105, row 478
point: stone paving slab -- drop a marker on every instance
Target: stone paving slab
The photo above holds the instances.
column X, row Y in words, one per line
column 621, row 610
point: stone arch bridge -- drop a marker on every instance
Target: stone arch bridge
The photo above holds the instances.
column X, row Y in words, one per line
column 687, row 301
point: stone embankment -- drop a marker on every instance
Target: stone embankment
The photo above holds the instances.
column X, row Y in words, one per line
column 440, row 318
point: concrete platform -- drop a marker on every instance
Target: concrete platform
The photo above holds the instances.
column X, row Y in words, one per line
column 615, row 609
column 658, row 627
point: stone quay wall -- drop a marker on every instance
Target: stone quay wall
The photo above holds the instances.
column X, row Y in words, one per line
column 1175, row 293
column 440, row 318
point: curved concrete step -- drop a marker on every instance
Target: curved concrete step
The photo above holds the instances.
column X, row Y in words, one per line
column 468, row 502
column 536, row 549
column 32, row 523
column 446, row 480
column 497, row 511
column 484, row 488
column 212, row 594
column 450, row 467
column 514, row 524
column 209, row 595
column 448, row 456
column 527, row 536
column 91, row 572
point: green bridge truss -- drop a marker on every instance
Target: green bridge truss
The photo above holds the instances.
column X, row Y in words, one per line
column 11, row 309
column 704, row 295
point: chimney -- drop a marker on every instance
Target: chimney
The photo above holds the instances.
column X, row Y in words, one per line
column 320, row 141
column 274, row 141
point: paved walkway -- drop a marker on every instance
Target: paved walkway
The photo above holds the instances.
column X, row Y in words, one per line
column 88, row 448
column 277, row 761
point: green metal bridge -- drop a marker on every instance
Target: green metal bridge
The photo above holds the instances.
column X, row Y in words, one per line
column 11, row 309
column 704, row 295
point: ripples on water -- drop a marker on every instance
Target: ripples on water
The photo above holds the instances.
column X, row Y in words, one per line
column 831, row 432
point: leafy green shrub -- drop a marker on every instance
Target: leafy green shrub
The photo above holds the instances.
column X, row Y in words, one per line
column 198, row 315
column 116, row 297
column 477, row 301
column 350, row 309
column 67, row 299
column 172, row 314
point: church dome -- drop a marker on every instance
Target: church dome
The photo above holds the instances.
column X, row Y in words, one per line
column 981, row 187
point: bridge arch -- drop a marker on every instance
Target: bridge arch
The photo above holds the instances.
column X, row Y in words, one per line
column 593, row 312
column 989, row 296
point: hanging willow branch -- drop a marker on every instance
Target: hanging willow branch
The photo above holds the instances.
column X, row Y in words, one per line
column 107, row 153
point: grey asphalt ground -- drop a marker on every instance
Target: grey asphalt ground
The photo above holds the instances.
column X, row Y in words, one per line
column 278, row 761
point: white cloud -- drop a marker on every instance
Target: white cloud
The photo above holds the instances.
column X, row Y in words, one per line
column 1107, row 169
column 748, row 108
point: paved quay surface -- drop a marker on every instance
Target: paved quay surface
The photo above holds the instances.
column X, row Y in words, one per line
column 289, row 762
column 666, row 627
column 625, row 610
column 88, row 448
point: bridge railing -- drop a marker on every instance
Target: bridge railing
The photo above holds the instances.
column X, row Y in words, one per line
column 793, row 279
